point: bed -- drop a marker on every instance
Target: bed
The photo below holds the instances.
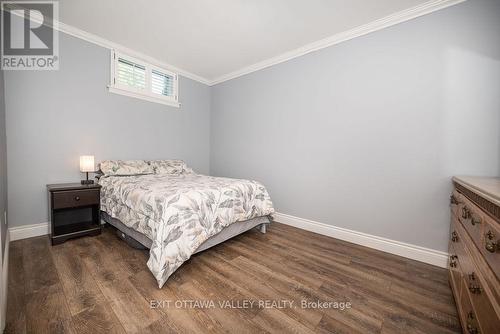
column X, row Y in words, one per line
column 175, row 212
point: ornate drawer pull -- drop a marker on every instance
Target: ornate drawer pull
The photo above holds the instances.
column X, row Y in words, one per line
column 470, row 327
column 453, row 261
column 491, row 246
column 475, row 219
column 473, row 287
column 454, row 236
column 476, row 289
column 465, row 212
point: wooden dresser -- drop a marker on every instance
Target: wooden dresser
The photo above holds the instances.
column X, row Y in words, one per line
column 474, row 263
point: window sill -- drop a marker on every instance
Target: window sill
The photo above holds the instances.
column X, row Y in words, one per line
column 143, row 97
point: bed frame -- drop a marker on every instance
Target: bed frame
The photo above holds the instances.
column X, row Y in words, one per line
column 140, row 241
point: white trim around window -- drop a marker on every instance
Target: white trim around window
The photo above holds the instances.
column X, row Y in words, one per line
column 134, row 77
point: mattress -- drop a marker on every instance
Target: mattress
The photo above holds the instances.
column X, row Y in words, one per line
column 176, row 215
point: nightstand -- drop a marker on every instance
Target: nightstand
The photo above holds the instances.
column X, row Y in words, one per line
column 74, row 211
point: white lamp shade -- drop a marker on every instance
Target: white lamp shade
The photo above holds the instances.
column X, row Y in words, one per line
column 87, row 163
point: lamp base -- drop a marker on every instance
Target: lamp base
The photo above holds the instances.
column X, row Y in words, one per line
column 87, row 182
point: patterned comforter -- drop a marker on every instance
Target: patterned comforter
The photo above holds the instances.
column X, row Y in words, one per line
column 179, row 212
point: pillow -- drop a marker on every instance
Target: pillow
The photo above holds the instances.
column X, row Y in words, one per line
column 125, row 167
column 170, row 167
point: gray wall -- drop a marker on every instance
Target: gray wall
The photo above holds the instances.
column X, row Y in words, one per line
column 363, row 135
column 3, row 165
column 366, row 134
column 53, row 117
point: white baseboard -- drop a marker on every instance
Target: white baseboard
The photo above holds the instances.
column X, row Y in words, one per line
column 28, row 231
column 3, row 284
column 422, row 254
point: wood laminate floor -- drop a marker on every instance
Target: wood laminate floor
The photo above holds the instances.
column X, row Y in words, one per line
column 100, row 285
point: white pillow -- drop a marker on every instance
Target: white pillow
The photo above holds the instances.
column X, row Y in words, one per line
column 125, row 167
column 175, row 167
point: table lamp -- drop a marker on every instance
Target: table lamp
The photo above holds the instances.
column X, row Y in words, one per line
column 87, row 166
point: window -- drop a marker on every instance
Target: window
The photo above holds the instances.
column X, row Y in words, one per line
column 130, row 74
column 136, row 78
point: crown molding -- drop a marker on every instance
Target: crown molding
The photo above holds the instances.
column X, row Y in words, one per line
column 105, row 43
column 393, row 19
column 76, row 32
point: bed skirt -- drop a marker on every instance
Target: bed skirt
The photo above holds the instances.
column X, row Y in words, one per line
column 227, row 233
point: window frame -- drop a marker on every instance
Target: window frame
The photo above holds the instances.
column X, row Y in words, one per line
column 146, row 93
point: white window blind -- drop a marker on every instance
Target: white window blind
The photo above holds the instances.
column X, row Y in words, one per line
column 136, row 78
column 131, row 74
column 162, row 84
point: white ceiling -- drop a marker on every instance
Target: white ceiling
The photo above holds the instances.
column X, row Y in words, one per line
column 212, row 38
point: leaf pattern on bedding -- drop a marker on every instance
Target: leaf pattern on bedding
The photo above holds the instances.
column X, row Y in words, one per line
column 125, row 167
column 170, row 167
column 179, row 212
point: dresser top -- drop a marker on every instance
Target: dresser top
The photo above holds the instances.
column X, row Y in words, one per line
column 487, row 187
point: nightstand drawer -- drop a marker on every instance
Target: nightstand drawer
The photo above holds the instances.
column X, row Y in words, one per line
column 75, row 198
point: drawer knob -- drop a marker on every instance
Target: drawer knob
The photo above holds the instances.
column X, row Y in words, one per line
column 453, row 261
column 77, row 198
column 471, row 329
column 491, row 246
column 465, row 212
column 454, row 236
column 474, row 287
column 475, row 219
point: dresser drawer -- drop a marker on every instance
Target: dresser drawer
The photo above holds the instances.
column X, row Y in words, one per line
column 468, row 317
column 454, row 259
column 457, row 244
column 455, row 273
column 476, row 306
column 456, row 202
column 490, row 245
column 483, row 308
column 472, row 218
column 76, row 198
